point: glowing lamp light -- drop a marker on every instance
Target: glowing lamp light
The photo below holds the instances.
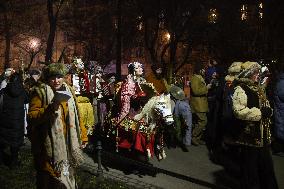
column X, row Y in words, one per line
column 34, row 44
column 212, row 16
column 260, row 13
column 168, row 36
column 244, row 12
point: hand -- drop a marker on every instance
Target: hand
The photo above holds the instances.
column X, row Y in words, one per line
column 209, row 86
column 54, row 106
column 266, row 112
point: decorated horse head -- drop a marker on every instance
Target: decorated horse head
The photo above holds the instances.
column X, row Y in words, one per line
column 156, row 111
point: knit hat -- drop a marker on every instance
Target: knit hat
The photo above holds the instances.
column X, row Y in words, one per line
column 248, row 69
column 177, row 92
column 55, row 69
column 235, row 68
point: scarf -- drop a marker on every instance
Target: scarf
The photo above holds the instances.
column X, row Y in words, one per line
column 64, row 150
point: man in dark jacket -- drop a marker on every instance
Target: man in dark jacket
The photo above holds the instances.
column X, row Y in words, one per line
column 12, row 117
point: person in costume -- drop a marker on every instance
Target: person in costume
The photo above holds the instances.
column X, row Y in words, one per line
column 130, row 89
column 253, row 113
column 80, row 78
column 130, row 100
column 158, row 79
column 55, row 130
column 86, row 113
column 98, row 87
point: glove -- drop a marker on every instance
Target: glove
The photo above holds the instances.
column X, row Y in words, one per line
column 266, row 112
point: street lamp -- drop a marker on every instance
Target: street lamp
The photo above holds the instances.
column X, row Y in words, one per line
column 34, row 44
column 168, row 36
column 34, row 48
column 212, row 16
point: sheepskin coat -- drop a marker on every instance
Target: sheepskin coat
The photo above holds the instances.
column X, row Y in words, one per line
column 248, row 98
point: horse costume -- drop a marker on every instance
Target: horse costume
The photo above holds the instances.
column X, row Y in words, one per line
column 139, row 114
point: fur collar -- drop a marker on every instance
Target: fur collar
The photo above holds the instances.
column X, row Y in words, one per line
column 230, row 78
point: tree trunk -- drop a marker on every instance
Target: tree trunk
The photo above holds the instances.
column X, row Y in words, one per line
column 172, row 62
column 52, row 18
column 118, row 46
column 32, row 57
column 50, row 41
column 7, row 42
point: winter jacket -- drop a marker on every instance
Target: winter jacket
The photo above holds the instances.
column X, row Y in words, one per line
column 12, row 116
column 198, row 99
column 279, row 107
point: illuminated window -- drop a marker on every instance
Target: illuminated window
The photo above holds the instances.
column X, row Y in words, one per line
column 260, row 12
column 140, row 23
column 244, row 12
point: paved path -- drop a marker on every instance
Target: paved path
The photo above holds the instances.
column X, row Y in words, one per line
column 180, row 170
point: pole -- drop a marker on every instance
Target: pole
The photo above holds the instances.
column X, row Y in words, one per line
column 99, row 154
column 99, row 144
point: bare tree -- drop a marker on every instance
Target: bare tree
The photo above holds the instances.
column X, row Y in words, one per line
column 20, row 18
column 53, row 8
column 171, row 28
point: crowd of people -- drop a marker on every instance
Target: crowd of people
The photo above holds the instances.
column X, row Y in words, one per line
column 142, row 115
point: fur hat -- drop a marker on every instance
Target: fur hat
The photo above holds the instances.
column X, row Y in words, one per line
column 55, row 69
column 235, row 68
column 177, row 92
column 248, row 69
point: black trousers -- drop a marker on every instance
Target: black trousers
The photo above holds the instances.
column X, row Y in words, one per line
column 257, row 171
